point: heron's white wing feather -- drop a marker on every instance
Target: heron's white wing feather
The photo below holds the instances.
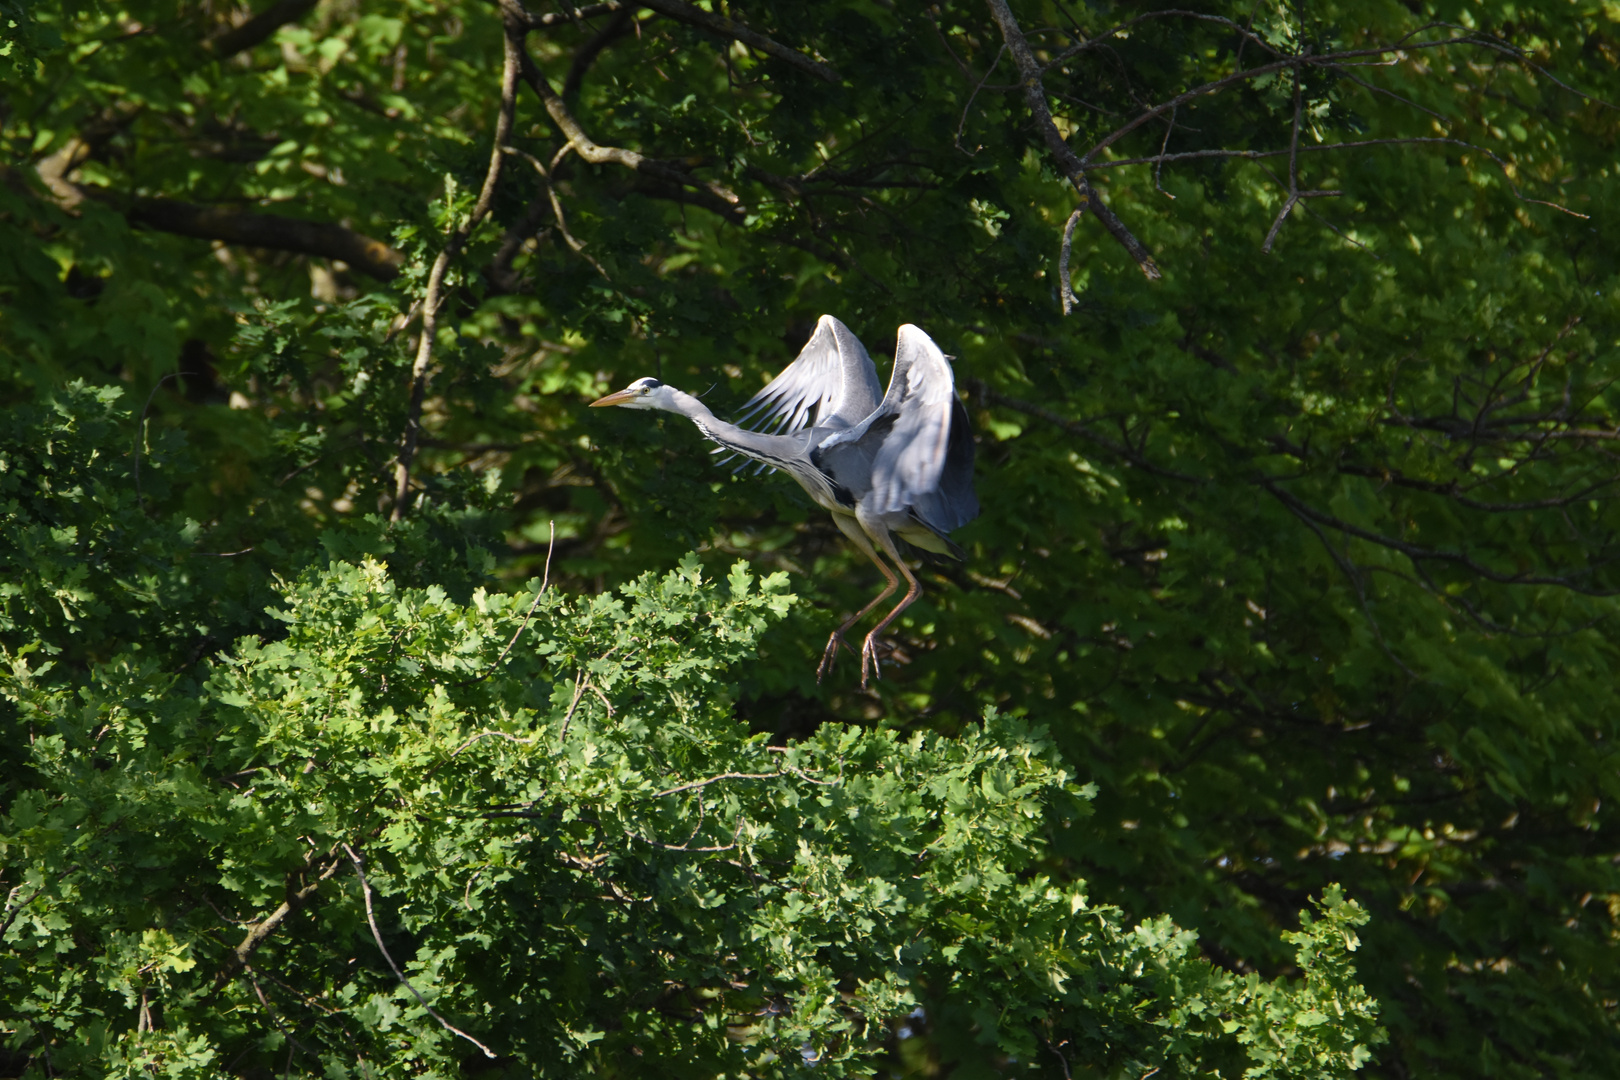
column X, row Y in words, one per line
column 907, row 465
column 833, row 379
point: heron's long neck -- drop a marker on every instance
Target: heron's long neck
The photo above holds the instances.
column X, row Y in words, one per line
column 771, row 449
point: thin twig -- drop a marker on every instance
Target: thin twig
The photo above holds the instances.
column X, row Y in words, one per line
column 715, row 779
column 596, row 154
column 1420, row 554
column 1416, row 140
column 961, row 124
column 574, row 244
column 1098, row 39
column 1164, row 147
column 692, row 16
column 509, row 737
column 716, row 24
column 1296, row 197
column 568, row 717
column 1288, row 62
column 365, row 887
column 1067, row 1075
column 140, row 429
column 544, row 582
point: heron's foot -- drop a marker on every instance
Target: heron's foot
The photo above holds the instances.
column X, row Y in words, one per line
column 871, row 666
column 829, row 654
column 834, row 643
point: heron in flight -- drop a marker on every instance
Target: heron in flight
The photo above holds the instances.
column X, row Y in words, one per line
column 895, row 464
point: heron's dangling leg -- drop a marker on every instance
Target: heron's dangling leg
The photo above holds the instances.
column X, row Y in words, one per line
column 869, row 656
column 849, row 528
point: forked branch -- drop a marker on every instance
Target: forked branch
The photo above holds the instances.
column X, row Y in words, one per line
column 1030, row 74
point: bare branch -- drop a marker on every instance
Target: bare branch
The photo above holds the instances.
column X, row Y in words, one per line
column 1065, row 289
column 1416, row 140
column 512, row 47
column 1491, row 41
column 620, row 26
column 1295, row 196
column 989, row 71
column 1243, row 31
column 555, row 202
column 1421, row 554
column 1333, row 60
column 590, row 151
column 376, row 935
column 579, row 14
column 1326, row 59
column 229, row 225
column 1067, row 160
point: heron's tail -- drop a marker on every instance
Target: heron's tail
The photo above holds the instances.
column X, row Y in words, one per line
column 932, row 546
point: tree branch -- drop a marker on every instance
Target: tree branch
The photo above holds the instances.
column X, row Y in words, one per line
column 715, row 24
column 715, row 779
column 1065, row 289
column 596, row 154
column 1097, row 39
column 229, row 225
column 376, row 934
column 258, row 932
column 1420, row 554
column 579, row 14
column 692, row 16
column 1030, row 72
column 620, row 26
column 512, row 51
column 232, row 226
column 257, row 29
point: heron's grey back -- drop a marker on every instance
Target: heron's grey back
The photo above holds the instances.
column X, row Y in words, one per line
column 918, row 442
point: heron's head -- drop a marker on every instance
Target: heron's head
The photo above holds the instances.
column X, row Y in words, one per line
column 641, row 394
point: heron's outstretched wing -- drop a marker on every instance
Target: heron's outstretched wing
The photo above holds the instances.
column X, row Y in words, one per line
column 917, row 441
column 832, row 378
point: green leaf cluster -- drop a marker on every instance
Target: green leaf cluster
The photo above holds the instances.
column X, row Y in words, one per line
column 542, row 808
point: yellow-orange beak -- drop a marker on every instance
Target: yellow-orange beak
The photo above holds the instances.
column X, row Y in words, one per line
column 614, row 399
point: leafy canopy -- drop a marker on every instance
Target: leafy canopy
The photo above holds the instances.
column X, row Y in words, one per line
column 1302, row 553
column 543, row 810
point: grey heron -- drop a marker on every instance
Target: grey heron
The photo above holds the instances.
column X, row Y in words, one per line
column 899, row 464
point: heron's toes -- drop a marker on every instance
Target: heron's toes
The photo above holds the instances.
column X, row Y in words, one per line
column 871, row 666
column 829, row 654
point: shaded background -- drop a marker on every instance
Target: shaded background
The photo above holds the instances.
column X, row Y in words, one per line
column 1305, row 555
